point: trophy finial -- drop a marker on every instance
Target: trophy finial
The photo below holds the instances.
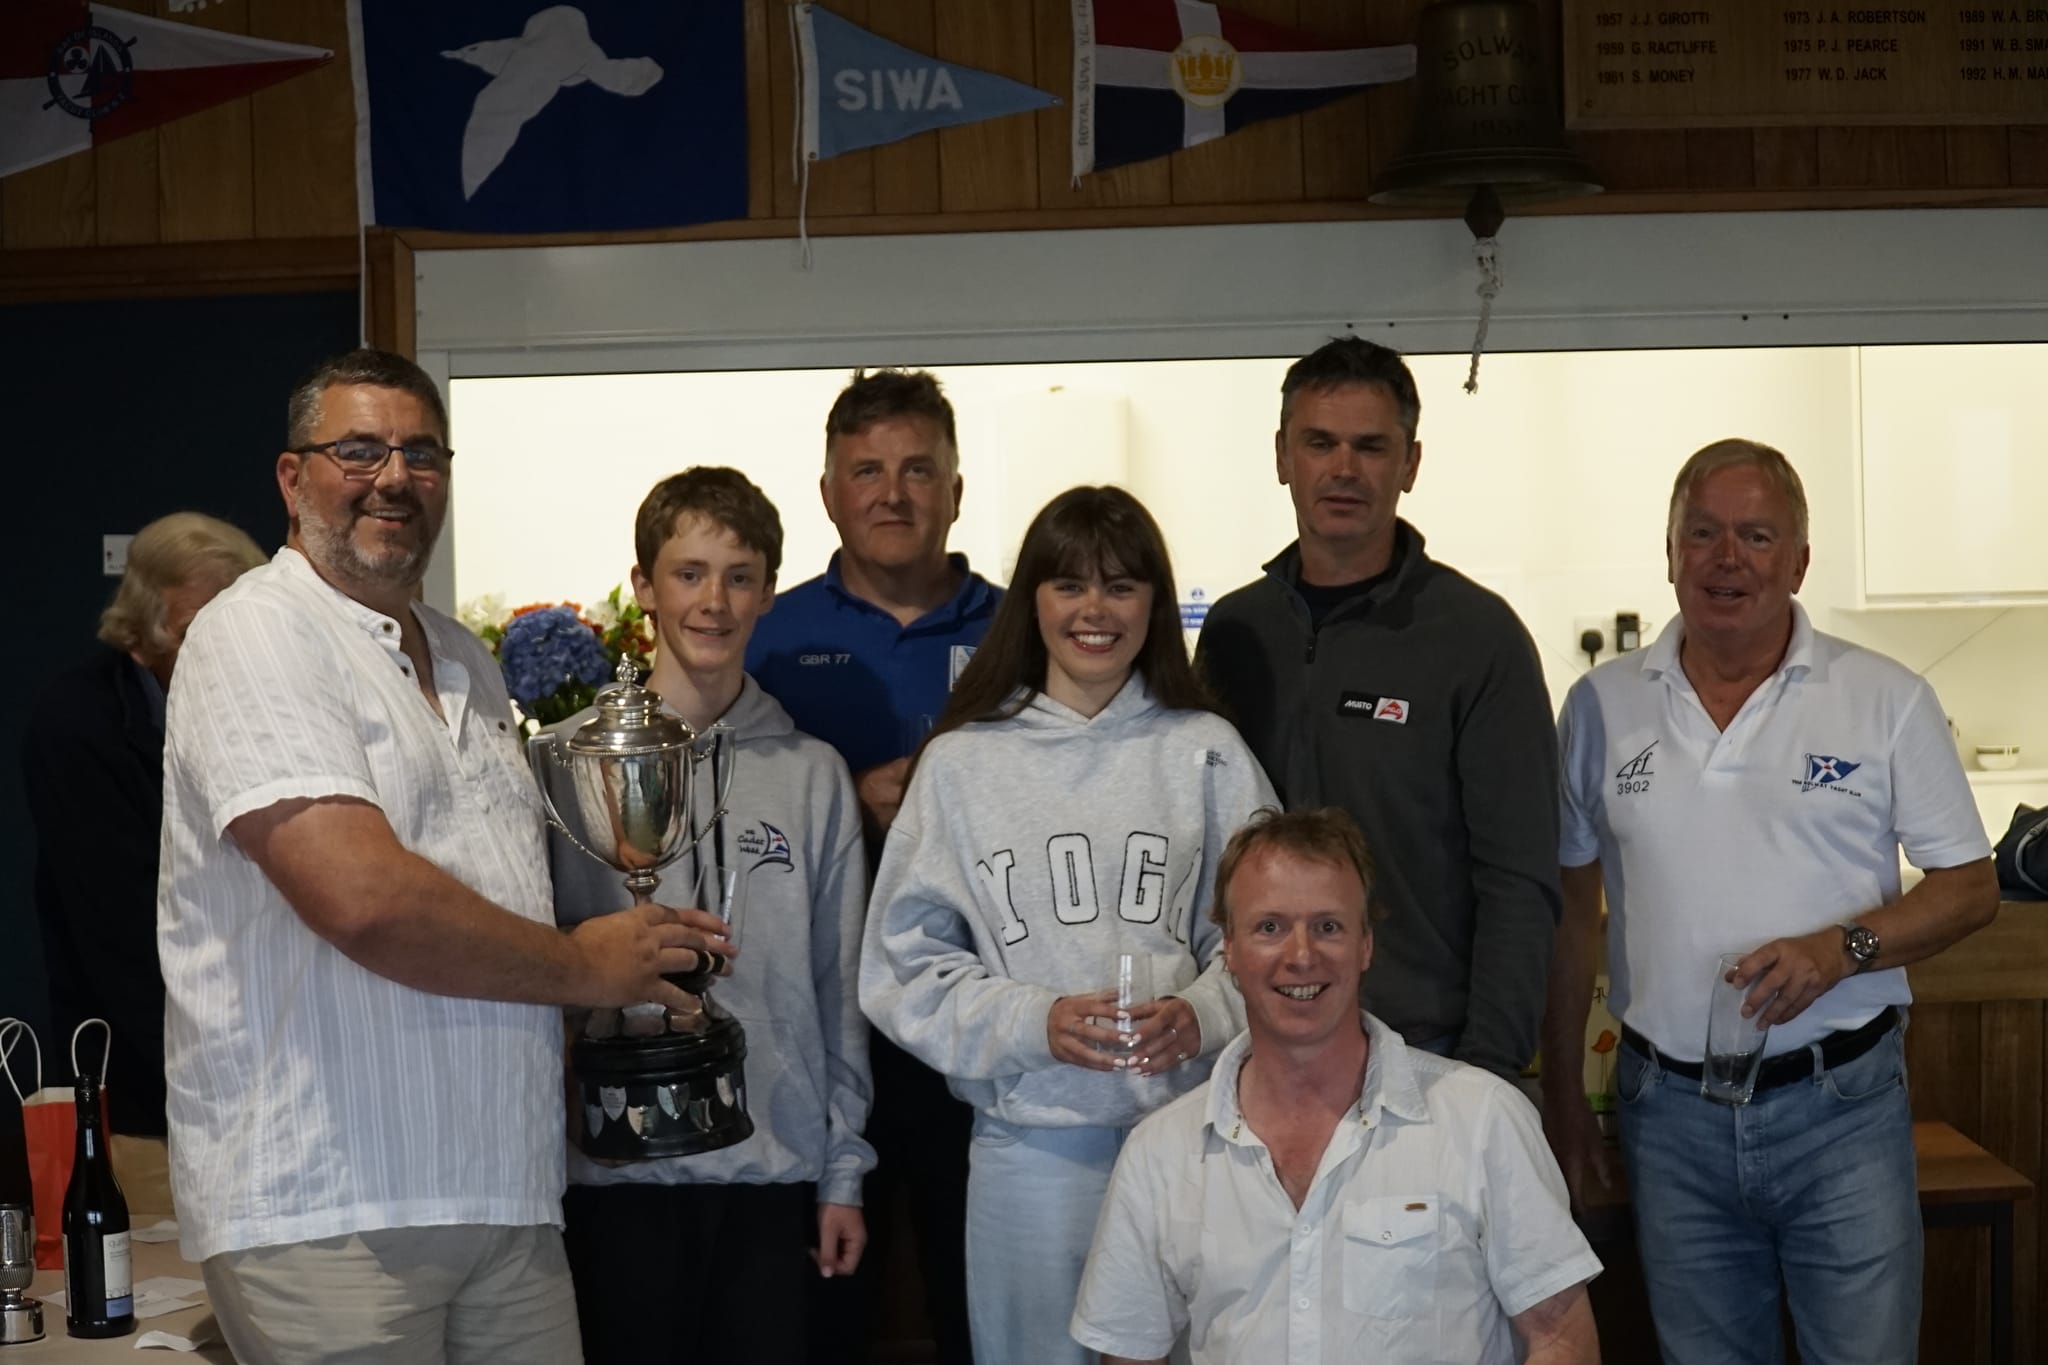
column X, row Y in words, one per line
column 626, row 672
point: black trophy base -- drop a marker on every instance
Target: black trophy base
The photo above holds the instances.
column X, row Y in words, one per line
column 673, row 1094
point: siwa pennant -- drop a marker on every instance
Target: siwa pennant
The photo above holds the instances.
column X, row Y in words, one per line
column 75, row 75
column 1154, row 76
column 862, row 91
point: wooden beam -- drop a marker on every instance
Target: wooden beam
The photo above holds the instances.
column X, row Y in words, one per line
column 390, row 302
column 278, row 265
column 1205, row 215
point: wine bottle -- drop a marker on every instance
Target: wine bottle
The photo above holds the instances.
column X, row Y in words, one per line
column 99, row 1293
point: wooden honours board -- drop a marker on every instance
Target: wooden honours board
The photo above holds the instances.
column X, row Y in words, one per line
column 1746, row 63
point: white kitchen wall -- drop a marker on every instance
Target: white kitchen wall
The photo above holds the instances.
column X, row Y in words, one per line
column 1549, row 485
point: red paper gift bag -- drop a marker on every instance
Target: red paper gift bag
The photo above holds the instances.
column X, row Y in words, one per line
column 49, row 1124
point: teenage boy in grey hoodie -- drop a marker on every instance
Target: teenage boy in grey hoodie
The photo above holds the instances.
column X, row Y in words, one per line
column 710, row 1257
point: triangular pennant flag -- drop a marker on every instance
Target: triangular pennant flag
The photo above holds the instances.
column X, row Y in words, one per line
column 74, row 75
column 862, row 91
column 1154, row 76
column 530, row 116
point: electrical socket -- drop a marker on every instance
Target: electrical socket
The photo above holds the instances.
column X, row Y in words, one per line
column 1601, row 625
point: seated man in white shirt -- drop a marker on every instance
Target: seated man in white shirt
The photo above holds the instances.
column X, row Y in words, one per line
column 1332, row 1194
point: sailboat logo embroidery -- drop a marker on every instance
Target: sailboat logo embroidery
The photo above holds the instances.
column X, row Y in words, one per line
column 766, row 845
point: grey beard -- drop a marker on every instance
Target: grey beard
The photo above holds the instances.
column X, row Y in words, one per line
column 334, row 548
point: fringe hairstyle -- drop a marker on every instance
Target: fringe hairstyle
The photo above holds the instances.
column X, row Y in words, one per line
column 1083, row 531
column 1343, row 361
column 724, row 497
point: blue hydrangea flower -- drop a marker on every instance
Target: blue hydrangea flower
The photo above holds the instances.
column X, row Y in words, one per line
column 547, row 649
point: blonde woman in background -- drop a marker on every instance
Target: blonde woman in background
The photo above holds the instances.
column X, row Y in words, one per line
column 93, row 770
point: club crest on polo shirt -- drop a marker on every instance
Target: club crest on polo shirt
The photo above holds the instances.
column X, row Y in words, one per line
column 1825, row 772
column 1393, row 710
column 1633, row 777
column 767, row 845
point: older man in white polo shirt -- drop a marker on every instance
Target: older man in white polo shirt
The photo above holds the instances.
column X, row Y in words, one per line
column 357, row 932
column 1744, row 786
column 1332, row 1195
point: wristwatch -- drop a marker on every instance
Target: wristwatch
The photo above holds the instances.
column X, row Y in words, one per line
column 1861, row 945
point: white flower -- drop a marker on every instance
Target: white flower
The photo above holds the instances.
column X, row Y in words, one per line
column 601, row 614
column 479, row 613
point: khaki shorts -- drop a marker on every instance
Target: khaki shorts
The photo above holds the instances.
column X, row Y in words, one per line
column 400, row 1296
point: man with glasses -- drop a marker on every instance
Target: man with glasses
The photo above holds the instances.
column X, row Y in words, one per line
column 363, row 974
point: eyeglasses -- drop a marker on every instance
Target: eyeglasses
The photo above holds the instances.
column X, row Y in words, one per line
column 360, row 457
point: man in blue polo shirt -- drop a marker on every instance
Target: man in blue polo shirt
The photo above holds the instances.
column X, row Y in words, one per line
column 863, row 656
column 1745, row 785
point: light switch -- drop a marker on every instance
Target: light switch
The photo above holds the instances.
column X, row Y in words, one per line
column 114, row 555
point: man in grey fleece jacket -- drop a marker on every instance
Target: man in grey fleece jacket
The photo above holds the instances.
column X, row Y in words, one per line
column 1368, row 676
column 713, row 1255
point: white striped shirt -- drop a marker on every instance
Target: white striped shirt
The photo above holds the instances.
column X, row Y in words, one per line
column 310, row 1097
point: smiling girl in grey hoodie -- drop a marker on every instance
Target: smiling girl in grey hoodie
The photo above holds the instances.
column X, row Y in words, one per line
column 1069, row 808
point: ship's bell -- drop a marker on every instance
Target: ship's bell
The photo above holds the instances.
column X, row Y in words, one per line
column 1488, row 115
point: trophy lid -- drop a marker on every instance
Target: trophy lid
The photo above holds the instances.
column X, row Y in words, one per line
column 629, row 720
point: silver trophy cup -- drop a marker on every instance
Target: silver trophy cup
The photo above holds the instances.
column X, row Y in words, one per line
column 21, row 1317
column 622, row 788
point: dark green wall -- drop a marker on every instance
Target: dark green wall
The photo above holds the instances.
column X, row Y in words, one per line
column 120, row 412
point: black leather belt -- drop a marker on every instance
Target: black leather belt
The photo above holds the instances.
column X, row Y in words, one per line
column 1837, row 1049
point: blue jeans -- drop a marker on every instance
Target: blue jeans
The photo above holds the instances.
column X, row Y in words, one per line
column 1813, row 1181
column 1032, row 1199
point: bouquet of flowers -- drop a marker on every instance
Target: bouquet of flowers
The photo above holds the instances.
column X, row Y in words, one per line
column 555, row 655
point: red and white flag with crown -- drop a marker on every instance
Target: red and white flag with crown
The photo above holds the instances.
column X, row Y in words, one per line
column 1154, row 76
column 74, row 75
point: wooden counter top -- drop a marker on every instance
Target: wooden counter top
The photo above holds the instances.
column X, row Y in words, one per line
column 1955, row 1170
